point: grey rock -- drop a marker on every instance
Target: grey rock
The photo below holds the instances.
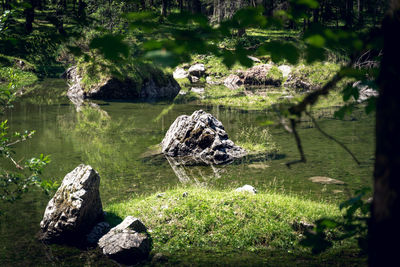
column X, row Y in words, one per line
column 246, row 189
column 126, row 243
column 194, row 79
column 212, row 81
column 113, row 88
column 98, row 231
column 201, row 136
column 75, row 208
column 197, row 70
column 180, row 73
column 233, row 81
column 258, row 75
column 365, row 92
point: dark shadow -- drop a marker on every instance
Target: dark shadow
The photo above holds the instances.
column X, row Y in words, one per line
column 112, row 219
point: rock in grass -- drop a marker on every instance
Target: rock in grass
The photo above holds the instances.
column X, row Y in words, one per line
column 325, row 180
column 232, row 81
column 285, row 69
column 263, row 74
column 365, row 92
column 75, row 208
column 247, row 189
column 202, row 137
column 127, row 243
column 180, row 73
column 197, row 70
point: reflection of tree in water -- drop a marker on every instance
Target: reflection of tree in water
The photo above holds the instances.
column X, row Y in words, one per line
column 106, row 144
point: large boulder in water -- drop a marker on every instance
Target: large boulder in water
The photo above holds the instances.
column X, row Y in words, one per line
column 200, row 136
column 127, row 243
column 75, row 208
column 152, row 84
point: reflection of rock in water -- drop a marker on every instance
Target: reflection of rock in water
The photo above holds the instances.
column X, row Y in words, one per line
column 189, row 172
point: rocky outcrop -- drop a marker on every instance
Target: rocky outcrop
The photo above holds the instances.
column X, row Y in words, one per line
column 75, row 208
column 201, row 136
column 150, row 88
column 127, row 243
column 261, row 75
column 299, row 83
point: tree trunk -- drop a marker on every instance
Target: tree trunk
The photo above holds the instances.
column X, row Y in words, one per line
column 29, row 16
column 81, row 10
column 164, row 7
column 316, row 15
column 196, row 6
column 349, row 14
column 180, row 5
column 384, row 226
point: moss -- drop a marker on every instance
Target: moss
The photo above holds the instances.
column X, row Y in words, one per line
column 274, row 74
column 222, row 220
column 98, row 72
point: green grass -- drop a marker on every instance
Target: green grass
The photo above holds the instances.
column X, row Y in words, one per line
column 254, row 139
column 19, row 77
column 211, row 220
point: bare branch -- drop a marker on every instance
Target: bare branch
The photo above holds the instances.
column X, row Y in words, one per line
column 332, row 138
column 299, row 145
column 21, row 140
column 16, row 164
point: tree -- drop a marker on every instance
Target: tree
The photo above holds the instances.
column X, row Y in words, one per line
column 385, row 218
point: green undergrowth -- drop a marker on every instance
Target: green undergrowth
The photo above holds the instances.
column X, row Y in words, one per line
column 18, row 77
column 95, row 73
column 186, row 219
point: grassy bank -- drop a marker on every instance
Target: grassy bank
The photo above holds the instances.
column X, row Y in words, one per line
column 313, row 76
column 203, row 221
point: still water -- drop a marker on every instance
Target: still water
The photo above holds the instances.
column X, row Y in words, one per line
column 118, row 140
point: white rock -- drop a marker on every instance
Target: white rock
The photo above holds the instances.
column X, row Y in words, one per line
column 180, row 73
column 285, row 69
column 197, row 70
column 246, row 188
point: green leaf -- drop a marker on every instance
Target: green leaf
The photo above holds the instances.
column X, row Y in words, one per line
column 280, row 51
column 316, row 40
column 350, row 91
column 111, row 46
column 314, row 54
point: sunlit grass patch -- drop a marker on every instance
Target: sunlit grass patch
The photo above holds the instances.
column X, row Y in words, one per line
column 254, row 139
column 221, row 220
